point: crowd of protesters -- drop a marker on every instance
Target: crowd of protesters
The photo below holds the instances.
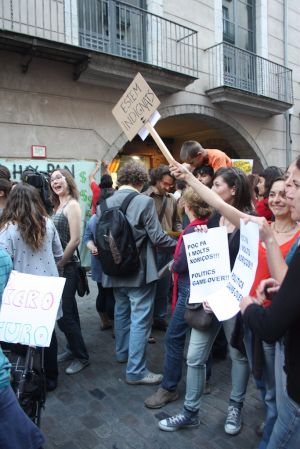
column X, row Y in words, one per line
column 205, row 191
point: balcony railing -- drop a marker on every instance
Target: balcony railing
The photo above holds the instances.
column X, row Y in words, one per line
column 233, row 67
column 106, row 26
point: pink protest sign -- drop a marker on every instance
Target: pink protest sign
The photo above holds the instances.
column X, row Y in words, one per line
column 29, row 308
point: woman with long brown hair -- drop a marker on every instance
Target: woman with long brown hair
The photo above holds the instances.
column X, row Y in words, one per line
column 32, row 241
column 67, row 219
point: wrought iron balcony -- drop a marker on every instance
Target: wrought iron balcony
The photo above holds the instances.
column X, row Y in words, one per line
column 245, row 82
column 106, row 26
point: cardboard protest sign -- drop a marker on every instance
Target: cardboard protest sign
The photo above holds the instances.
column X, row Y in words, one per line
column 29, row 308
column 135, row 107
column 136, row 113
column 225, row 302
column 208, row 262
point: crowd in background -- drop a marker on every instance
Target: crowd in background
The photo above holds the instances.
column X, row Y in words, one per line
column 206, row 191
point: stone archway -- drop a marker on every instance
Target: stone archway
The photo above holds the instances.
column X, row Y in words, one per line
column 225, row 127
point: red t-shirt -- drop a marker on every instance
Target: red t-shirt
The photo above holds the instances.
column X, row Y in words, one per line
column 96, row 192
column 262, row 209
column 262, row 271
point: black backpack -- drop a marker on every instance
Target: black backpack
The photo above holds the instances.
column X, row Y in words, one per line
column 39, row 180
column 116, row 245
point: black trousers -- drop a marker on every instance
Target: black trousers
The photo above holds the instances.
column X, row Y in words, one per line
column 69, row 324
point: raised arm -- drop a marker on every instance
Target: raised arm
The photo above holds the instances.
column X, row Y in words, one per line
column 276, row 262
column 208, row 195
column 93, row 172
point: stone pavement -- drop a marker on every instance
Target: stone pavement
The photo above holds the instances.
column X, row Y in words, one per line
column 96, row 409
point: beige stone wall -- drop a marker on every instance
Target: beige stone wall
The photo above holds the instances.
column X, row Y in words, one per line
column 46, row 107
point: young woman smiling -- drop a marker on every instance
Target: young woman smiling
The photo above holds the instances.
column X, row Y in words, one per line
column 284, row 231
column 280, row 323
column 67, row 218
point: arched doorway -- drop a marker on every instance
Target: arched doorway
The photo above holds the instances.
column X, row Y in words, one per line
column 210, row 127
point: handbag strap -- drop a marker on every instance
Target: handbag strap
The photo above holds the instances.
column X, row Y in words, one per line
column 78, row 255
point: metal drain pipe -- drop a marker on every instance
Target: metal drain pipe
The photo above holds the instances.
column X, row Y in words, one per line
column 287, row 114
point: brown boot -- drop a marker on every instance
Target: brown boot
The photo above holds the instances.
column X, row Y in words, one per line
column 161, row 398
column 106, row 323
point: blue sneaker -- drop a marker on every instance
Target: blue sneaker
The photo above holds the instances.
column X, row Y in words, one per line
column 179, row 421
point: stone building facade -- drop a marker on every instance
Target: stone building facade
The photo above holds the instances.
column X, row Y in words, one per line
column 226, row 73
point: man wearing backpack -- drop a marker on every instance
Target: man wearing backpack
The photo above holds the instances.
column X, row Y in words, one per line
column 166, row 207
column 134, row 293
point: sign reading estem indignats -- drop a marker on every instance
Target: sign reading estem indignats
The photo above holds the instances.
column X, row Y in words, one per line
column 29, row 308
column 135, row 107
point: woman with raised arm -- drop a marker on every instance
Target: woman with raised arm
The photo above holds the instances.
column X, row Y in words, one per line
column 67, row 218
column 284, row 232
column 230, row 188
column 280, row 323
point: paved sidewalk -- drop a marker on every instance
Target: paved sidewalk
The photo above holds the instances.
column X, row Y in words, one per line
column 96, row 409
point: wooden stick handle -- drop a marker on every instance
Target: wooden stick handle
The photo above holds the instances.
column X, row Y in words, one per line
column 159, row 142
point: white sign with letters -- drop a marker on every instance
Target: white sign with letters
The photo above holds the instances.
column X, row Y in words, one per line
column 29, row 308
column 225, row 302
column 208, row 262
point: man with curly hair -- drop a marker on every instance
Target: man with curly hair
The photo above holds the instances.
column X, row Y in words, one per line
column 166, row 207
column 134, row 294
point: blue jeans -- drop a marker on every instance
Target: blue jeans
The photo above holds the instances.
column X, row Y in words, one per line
column 69, row 324
column 17, row 431
column 175, row 340
column 199, row 348
column 286, row 430
column 133, row 315
column 266, row 385
column 163, row 286
column 270, row 393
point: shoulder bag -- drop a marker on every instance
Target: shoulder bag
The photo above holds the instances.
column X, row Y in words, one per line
column 196, row 317
column 82, row 280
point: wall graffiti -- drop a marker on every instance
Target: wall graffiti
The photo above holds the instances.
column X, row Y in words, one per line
column 79, row 169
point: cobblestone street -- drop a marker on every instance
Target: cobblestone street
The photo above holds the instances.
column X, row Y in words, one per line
column 96, row 409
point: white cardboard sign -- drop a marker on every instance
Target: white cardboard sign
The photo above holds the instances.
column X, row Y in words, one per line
column 29, row 308
column 135, row 107
column 225, row 302
column 208, row 262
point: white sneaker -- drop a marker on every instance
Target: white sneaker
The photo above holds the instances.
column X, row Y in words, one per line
column 233, row 422
column 76, row 366
column 149, row 379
